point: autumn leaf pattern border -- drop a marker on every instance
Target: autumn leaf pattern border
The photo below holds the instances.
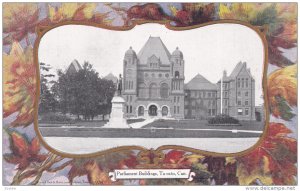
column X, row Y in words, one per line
column 272, row 162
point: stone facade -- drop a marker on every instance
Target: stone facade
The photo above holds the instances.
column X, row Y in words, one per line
column 238, row 95
column 200, row 98
column 153, row 81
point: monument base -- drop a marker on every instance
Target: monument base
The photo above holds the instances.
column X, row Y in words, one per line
column 117, row 119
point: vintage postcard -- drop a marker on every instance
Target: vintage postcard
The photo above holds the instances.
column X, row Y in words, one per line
column 150, row 94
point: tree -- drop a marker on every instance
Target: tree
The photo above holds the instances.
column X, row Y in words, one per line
column 48, row 101
column 84, row 93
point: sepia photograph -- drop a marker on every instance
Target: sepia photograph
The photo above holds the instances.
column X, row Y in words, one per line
column 150, row 86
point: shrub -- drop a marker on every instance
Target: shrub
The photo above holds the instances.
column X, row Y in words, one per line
column 223, row 119
column 55, row 118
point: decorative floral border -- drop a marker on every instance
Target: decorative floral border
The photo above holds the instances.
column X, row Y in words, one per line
column 273, row 162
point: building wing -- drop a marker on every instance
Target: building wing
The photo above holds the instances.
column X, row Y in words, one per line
column 200, row 83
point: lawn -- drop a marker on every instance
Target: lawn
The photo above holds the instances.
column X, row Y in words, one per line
column 162, row 123
column 95, row 123
column 203, row 124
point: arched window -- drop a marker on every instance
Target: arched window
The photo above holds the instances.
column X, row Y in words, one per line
column 141, row 111
column 142, row 91
column 153, row 90
column 176, row 74
column 164, row 111
column 164, row 90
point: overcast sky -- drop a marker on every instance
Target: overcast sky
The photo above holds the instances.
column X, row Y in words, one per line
column 207, row 50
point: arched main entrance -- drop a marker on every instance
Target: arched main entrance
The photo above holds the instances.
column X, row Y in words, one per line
column 141, row 111
column 152, row 111
column 164, row 111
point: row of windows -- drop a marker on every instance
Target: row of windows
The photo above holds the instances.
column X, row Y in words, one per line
column 239, row 102
column 176, row 109
column 203, row 94
column 154, row 64
column 128, row 85
column 129, row 98
column 226, row 85
column 153, row 75
column 242, row 82
column 129, row 109
column 176, row 85
column 241, row 112
column 176, row 99
column 201, row 103
column 225, row 94
column 154, row 91
column 246, row 93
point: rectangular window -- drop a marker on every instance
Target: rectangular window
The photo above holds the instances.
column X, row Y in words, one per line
column 174, row 109
column 226, row 111
column 174, row 99
column 239, row 93
column 238, row 83
column 226, row 102
column 239, row 102
column 130, row 98
column 246, row 111
column 178, row 99
column 225, row 94
column 246, row 102
column 127, row 109
column 246, row 82
column 131, row 109
column 240, row 111
column 209, row 94
column 178, row 109
column 246, row 94
column 242, row 82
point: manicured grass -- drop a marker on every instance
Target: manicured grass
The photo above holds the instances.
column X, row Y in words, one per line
column 203, row 124
column 95, row 123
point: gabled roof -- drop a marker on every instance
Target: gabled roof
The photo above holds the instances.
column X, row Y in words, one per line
column 200, row 83
column 154, row 46
column 236, row 71
column 111, row 77
column 75, row 64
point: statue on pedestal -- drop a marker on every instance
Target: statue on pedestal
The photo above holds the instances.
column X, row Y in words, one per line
column 117, row 118
column 119, row 86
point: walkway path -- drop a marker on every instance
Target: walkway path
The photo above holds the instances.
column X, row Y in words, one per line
column 138, row 125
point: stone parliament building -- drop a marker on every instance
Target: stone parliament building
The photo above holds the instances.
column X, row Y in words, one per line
column 153, row 85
